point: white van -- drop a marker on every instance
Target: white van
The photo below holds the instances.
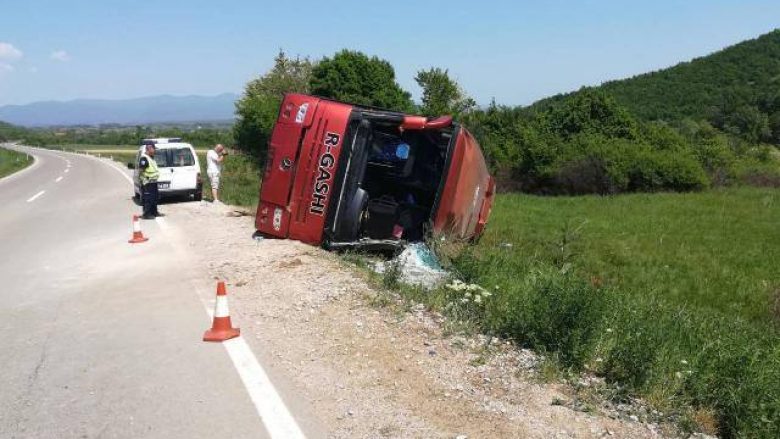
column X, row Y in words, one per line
column 179, row 168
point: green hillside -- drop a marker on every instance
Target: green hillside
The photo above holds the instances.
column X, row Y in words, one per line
column 736, row 89
column 704, row 123
column 749, row 71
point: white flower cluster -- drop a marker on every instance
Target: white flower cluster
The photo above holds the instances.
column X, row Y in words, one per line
column 471, row 292
column 681, row 374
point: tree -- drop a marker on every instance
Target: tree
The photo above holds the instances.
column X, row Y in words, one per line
column 749, row 123
column 352, row 76
column 441, row 94
column 257, row 109
column 591, row 111
column 774, row 125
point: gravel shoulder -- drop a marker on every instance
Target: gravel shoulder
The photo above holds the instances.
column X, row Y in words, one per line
column 374, row 371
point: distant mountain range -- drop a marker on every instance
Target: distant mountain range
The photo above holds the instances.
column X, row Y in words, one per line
column 152, row 109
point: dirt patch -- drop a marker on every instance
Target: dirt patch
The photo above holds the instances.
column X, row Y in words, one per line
column 376, row 372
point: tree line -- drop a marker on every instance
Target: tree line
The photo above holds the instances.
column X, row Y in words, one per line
column 585, row 142
column 200, row 137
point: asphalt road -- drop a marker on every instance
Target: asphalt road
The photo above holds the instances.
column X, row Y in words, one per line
column 100, row 338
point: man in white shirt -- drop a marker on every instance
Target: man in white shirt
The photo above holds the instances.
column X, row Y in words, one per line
column 214, row 160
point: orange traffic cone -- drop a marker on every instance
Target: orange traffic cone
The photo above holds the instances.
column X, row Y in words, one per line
column 138, row 235
column 221, row 329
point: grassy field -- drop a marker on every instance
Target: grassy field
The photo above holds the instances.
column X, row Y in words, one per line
column 12, row 161
column 716, row 250
column 674, row 297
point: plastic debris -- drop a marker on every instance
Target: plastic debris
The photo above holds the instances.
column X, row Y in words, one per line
column 417, row 265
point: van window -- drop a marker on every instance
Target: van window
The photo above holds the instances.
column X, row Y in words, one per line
column 174, row 157
column 181, row 157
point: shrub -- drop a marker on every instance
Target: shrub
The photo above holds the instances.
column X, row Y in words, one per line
column 641, row 344
column 554, row 311
column 654, row 170
column 587, row 143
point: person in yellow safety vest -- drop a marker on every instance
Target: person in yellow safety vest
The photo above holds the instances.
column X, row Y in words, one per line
column 149, row 176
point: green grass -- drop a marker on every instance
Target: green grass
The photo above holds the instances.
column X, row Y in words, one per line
column 673, row 297
column 717, row 250
column 12, row 161
column 240, row 181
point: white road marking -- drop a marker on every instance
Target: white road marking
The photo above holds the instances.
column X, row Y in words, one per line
column 119, row 170
column 274, row 414
column 58, row 179
column 31, row 199
column 67, row 170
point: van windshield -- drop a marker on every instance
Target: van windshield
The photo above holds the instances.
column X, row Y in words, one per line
column 174, row 157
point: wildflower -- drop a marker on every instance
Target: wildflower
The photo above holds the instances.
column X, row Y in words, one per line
column 464, row 300
column 456, row 285
column 683, row 362
column 609, row 329
column 477, row 299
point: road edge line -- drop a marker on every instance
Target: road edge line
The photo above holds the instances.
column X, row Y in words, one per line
column 274, row 414
column 277, row 419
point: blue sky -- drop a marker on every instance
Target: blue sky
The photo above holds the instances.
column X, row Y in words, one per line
column 515, row 51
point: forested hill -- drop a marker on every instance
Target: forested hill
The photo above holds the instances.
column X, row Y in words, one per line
column 736, row 89
column 746, row 72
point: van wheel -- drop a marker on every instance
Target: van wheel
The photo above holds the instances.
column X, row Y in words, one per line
column 197, row 195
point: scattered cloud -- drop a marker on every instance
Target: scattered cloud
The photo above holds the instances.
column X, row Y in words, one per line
column 6, row 67
column 33, row 69
column 8, row 52
column 60, row 55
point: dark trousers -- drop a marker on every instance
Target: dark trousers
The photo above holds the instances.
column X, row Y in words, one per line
column 150, row 198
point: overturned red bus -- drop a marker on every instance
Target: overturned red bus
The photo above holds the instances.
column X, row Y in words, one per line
column 343, row 175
